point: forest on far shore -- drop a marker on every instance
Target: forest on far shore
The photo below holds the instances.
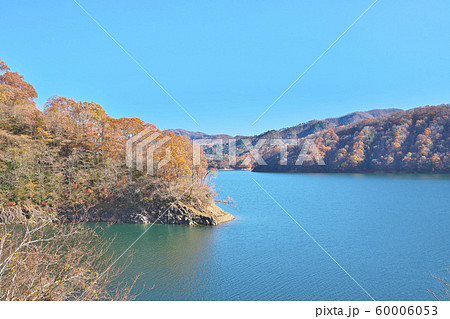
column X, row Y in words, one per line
column 412, row 141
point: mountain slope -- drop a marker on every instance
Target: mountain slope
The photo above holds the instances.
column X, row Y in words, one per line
column 297, row 131
column 413, row 141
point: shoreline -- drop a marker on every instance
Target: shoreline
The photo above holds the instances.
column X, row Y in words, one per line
column 336, row 172
column 179, row 214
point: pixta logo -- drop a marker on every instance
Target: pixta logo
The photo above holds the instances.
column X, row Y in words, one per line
column 141, row 151
column 254, row 150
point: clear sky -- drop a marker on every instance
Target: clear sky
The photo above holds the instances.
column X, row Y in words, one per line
column 226, row 61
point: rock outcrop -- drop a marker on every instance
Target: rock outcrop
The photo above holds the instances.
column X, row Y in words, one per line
column 22, row 215
column 176, row 214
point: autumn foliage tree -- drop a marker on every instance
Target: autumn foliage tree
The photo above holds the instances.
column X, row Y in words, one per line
column 71, row 156
column 67, row 163
column 17, row 101
column 14, row 89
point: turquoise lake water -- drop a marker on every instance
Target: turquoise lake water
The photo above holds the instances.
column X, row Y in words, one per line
column 389, row 232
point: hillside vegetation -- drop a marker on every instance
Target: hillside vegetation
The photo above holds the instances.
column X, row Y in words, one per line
column 244, row 159
column 67, row 162
column 413, row 141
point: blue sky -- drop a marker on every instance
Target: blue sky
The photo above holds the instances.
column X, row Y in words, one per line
column 227, row 61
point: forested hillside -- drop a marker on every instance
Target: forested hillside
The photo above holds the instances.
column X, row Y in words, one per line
column 244, row 159
column 67, row 162
column 413, row 141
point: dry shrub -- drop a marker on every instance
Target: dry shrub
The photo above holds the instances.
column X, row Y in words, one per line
column 445, row 293
column 58, row 262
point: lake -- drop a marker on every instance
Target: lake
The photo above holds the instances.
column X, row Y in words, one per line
column 389, row 232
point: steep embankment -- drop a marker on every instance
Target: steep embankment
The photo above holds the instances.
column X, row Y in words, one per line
column 413, row 141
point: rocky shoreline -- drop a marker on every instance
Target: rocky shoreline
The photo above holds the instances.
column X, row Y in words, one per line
column 178, row 214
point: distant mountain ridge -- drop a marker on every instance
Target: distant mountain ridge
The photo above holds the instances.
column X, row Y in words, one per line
column 361, row 115
column 298, row 131
column 199, row 135
column 313, row 126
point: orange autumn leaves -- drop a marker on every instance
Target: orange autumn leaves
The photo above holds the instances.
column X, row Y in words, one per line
column 86, row 126
column 13, row 88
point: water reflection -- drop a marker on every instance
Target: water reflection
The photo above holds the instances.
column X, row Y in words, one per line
column 176, row 262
